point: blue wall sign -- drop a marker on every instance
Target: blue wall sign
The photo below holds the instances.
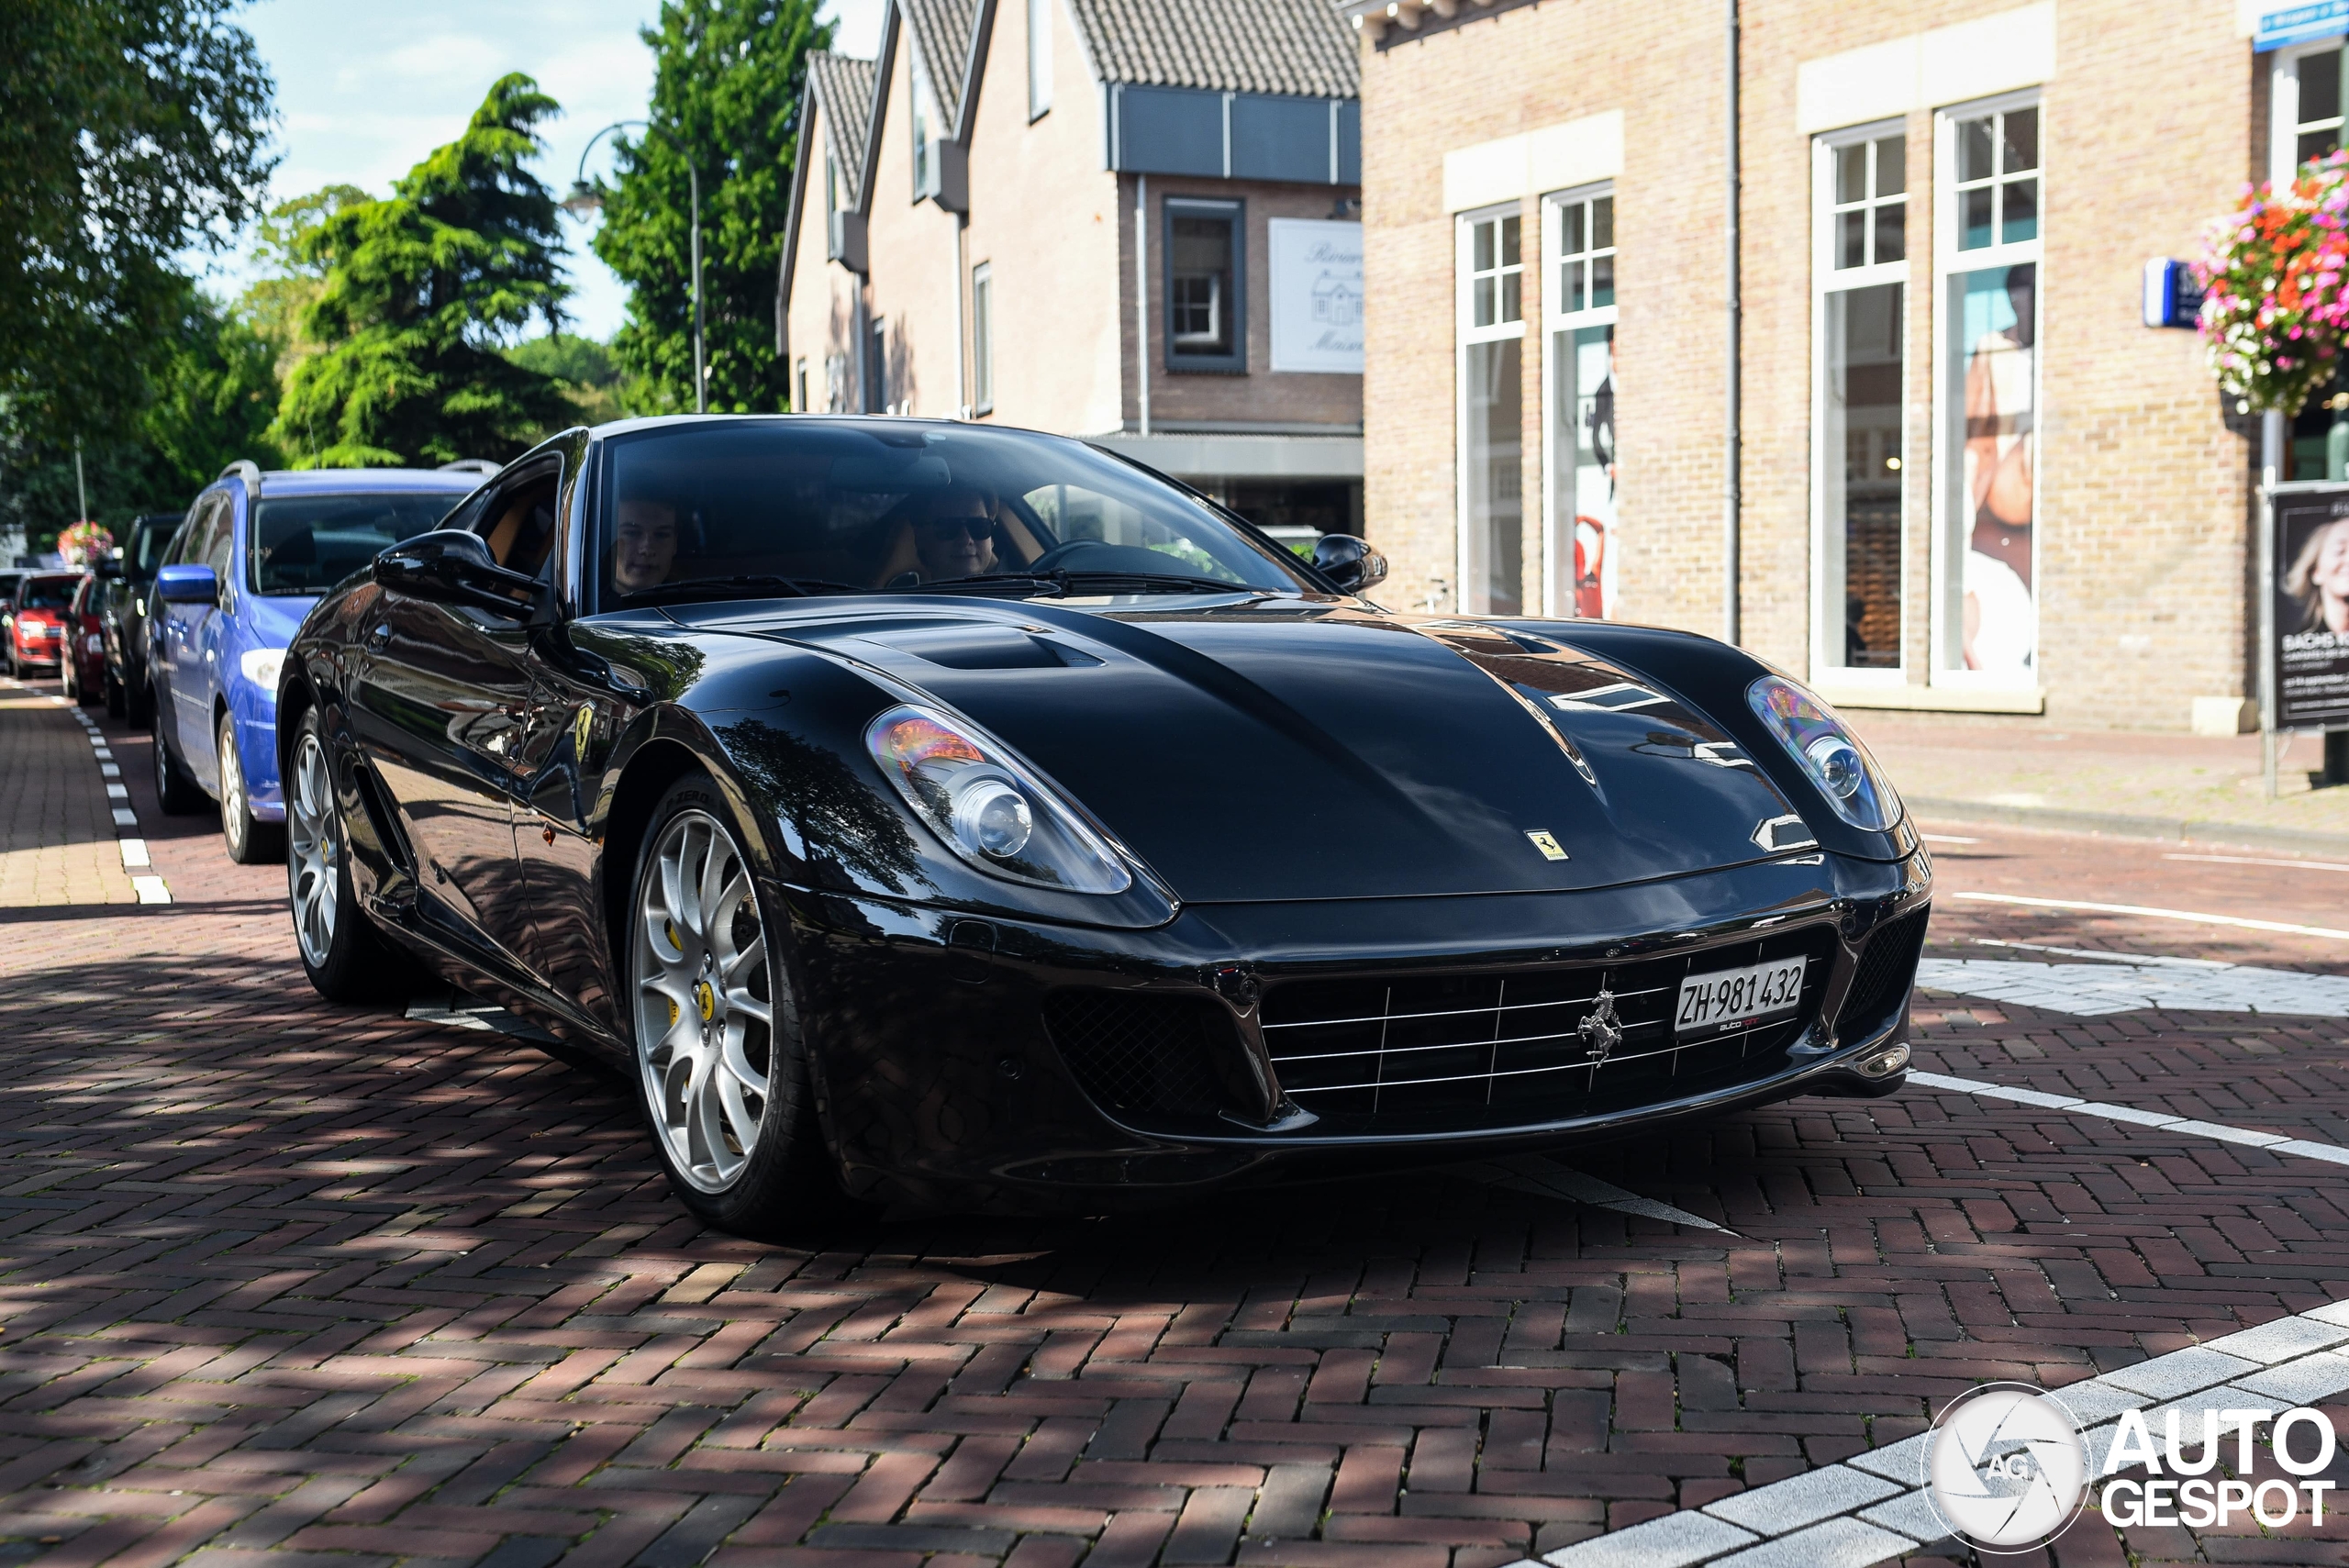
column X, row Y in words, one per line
column 2299, row 24
column 2172, row 296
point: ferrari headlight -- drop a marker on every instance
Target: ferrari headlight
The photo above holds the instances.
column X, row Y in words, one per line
column 1830, row 754
column 987, row 806
column 262, row 666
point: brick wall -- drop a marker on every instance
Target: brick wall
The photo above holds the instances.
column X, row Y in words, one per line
column 2149, row 131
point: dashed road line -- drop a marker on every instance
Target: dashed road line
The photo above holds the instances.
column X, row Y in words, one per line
column 2261, row 861
column 2187, row 914
column 1874, row 1507
column 151, row 889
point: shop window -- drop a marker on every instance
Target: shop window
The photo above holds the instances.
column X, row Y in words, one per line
column 1859, row 274
column 1579, row 535
column 1205, row 313
column 1492, row 350
column 981, row 338
column 1040, row 58
column 1986, row 605
column 2305, row 85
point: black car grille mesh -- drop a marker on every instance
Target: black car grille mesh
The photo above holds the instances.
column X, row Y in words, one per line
column 1503, row 1048
column 1887, row 969
column 1136, row 1054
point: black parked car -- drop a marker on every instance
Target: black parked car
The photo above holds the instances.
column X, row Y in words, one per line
column 967, row 815
column 125, row 610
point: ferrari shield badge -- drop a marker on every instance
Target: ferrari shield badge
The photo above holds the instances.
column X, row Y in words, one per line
column 1600, row 1029
column 1547, row 842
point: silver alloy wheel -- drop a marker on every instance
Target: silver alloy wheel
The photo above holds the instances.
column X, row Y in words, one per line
column 704, row 1014
column 232, row 787
column 311, row 871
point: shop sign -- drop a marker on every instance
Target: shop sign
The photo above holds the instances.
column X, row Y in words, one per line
column 2308, row 652
column 1316, row 295
column 2299, row 24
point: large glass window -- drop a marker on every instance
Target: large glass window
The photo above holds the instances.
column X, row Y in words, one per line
column 1492, row 446
column 1858, row 273
column 1986, row 608
column 306, row 544
column 1206, row 319
column 1040, row 58
column 1580, row 537
column 2306, row 84
column 981, row 338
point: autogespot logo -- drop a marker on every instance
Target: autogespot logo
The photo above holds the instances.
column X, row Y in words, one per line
column 2005, row 1468
column 2007, row 1471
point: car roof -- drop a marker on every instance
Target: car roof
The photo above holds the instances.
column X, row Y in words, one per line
column 365, row 482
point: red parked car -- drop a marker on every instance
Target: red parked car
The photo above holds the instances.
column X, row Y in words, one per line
column 85, row 661
column 37, row 621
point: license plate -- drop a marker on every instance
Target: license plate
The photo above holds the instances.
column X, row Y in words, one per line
column 1733, row 998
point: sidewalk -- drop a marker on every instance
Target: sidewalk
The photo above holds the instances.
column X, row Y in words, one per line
column 2128, row 782
column 58, row 838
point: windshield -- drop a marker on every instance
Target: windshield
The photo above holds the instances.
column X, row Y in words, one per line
column 831, row 506
column 306, row 544
column 46, row 592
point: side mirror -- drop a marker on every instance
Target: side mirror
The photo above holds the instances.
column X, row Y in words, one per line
column 110, row 567
column 1349, row 561
column 453, row 566
column 187, row 586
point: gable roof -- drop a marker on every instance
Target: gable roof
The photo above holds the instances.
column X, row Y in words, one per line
column 941, row 31
column 844, row 88
column 1301, row 47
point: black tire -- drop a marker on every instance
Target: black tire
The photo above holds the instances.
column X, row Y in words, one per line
column 174, row 790
column 139, row 701
column 248, row 840
column 786, row 1187
column 349, row 961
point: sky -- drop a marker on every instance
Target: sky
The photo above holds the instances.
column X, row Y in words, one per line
column 364, row 92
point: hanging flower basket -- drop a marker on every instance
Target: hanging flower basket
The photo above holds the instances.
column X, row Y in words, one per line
column 2275, row 312
column 84, row 543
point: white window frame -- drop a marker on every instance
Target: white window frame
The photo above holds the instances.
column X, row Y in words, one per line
column 1826, row 278
column 1039, row 60
column 1468, row 547
column 922, row 120
column 2284, row 100
column 1946, row 608
column 983, row 338
column 1557, row 544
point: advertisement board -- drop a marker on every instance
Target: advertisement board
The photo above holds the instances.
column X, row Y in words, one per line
column 2307, row 650
column 1317, row 295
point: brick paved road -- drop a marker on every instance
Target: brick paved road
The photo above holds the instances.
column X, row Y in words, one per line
column 291, row 1284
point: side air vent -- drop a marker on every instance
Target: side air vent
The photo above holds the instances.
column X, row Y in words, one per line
column 1137, row 1054
column 1887, row 969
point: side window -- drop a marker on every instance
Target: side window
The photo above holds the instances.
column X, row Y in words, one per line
column 220, row 535
column 518, row 522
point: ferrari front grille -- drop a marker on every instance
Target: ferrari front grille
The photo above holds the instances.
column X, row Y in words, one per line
column 1510, row 1046
column 1887, row 969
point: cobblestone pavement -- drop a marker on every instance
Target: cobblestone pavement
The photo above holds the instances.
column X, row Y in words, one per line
column 283, row 1284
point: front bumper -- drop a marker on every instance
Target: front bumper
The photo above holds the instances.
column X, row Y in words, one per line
column 940, row 1080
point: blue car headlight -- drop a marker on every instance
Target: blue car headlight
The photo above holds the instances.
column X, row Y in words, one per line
column 1828, row 753
column 989, row 807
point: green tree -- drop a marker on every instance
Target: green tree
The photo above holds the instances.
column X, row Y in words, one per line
column 130, row 132
column 725, row 85
column 590, row 373
column 277, row 302
column 422, row 290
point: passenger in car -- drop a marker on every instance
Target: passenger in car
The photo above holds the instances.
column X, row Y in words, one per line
column 646, row 546
column 947, row 533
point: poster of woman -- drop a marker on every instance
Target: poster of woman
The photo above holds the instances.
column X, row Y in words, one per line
column 2001, row 616
column 2310, row 656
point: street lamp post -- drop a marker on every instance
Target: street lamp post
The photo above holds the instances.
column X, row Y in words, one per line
column 584, row 199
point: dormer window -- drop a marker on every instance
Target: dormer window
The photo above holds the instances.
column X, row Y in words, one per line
column 925, row 128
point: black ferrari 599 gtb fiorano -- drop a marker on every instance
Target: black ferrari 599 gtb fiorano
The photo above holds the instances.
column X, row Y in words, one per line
column 968, row 816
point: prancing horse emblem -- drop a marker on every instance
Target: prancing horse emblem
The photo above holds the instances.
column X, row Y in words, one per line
column 1601, row 1030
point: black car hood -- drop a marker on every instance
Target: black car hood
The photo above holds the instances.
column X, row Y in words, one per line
column 1290, row 748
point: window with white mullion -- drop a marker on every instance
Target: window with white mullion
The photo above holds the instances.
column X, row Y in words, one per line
column 1579, row 532
column 1859, row 282
column 2306, row 104
column 1987, row 266
column 1491, row 264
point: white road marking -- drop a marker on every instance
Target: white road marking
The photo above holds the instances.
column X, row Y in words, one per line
column 152, row 890
column 2257, row 860
column 1874, row 1507
column 134, row 853
column 2274, row 1142
column 2186, row 914
column 1946, row 839
column 2093, row 990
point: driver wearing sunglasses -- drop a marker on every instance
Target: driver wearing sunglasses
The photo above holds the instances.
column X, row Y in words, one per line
column 954, row 534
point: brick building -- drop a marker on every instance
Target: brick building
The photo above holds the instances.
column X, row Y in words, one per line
column 997, row 210
column 1973, row 479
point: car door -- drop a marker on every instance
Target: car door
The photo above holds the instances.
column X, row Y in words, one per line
column 437, row 705
column 179, row 635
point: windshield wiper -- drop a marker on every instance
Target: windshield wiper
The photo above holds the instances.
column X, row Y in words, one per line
column 730, row 588
column 1063, row 583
